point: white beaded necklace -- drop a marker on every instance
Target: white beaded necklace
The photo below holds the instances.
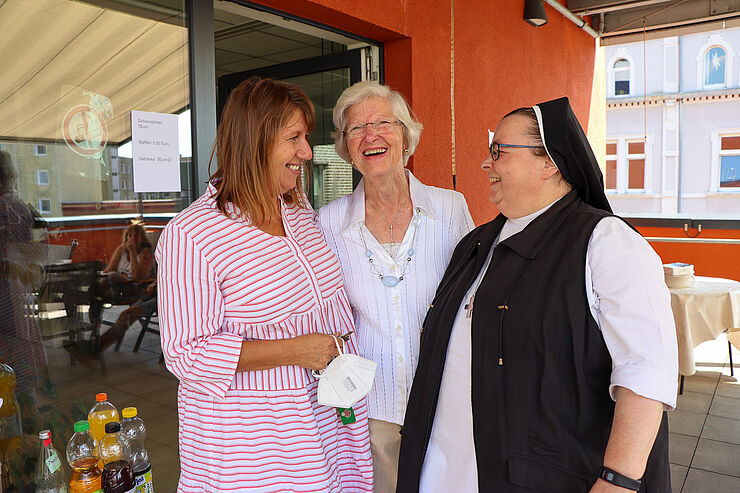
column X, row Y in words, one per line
column 388, row 280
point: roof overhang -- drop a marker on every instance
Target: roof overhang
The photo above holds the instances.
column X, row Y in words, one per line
column 623, row 21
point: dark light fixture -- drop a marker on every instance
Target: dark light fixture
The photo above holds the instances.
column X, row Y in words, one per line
column 534, row 12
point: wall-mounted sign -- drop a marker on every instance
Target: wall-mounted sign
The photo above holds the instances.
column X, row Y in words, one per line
column 84, row 129
column 154, row 146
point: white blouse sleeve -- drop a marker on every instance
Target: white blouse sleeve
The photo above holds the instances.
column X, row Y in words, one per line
column 631, row 304
column 462, row 218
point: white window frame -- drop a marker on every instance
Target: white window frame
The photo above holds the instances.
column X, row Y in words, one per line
column 619, row 54
column 42, row 209
column 629, row 157
column 714, row 41
column 717, row 153
column 623, row 163
column 39, row 174
column 612, row 157
column 37, row 150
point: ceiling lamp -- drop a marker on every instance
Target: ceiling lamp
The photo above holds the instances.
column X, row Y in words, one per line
column 534, row 12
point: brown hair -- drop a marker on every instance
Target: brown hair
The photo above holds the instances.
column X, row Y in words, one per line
column 254, row 114
column 143, row 240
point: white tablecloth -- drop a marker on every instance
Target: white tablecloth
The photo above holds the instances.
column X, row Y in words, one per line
column 702, row 312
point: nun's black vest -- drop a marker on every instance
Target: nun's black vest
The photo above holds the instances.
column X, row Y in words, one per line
column 542, row 419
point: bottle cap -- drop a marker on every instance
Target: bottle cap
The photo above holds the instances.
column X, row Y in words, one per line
column 112, row 427
column 129, row 412
column 101, row 397
column 81, row 426
column 43, row 434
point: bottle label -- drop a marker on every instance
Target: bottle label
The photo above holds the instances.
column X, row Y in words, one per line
column 144, row 482
column 53, row 462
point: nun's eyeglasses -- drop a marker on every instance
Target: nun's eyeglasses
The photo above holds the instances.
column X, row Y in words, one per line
column 495, row 148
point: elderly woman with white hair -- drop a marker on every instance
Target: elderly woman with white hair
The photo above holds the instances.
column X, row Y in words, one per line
column 394, row 237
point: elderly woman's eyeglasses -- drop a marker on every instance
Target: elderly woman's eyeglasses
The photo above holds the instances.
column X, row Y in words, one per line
column 381, row 127
column 495, row 148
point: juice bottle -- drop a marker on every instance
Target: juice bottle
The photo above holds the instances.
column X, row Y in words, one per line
column 10, row 421
column 82, row 455
column 102, row 412
column 133, row 427
column 49, row 476
column 115, row 450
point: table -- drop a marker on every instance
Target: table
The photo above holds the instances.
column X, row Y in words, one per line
column 702, row 312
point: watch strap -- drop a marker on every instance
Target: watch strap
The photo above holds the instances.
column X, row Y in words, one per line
column 617, row 479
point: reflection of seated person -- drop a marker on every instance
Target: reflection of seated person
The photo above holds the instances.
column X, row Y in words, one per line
column 142, row 308
column 131, row 265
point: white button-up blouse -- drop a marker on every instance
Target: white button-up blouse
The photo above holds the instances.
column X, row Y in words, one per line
column 388, row 319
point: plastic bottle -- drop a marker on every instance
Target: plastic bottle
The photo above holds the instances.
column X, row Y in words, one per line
column 133, row 427
column 10, row 420
column 82, row 455
column 115, row 450
column 49, row 472
column 102, row 412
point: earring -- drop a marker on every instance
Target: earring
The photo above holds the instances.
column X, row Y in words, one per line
column 406, row 150
column 352, row 162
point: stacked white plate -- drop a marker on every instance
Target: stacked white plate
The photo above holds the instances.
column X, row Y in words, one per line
column 678, row 275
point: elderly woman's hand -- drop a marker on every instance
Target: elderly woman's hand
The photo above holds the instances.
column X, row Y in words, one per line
column 314, row 351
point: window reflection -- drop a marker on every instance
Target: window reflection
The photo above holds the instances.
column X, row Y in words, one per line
column 714, row 67
column 66, row 197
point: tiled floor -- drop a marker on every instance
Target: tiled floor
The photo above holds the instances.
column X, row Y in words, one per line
column 134, row 379
column 705, row 426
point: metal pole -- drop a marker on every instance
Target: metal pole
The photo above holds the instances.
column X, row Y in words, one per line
column 572, row 17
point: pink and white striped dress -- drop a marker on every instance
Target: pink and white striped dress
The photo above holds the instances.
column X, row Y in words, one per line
column 222, row 281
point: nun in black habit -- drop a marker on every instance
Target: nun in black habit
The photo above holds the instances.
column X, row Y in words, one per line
column 548, row 356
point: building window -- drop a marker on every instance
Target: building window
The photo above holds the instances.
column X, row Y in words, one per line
column 714, row 67
column 45, row 206
column 729, row 163
column 635, row 165
column 42, row 177
column 621, row 77
column 611, row 166
column 39, row 150
column 627, row 164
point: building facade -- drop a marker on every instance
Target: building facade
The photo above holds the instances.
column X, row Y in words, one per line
column 74, row 73
column 673, row 125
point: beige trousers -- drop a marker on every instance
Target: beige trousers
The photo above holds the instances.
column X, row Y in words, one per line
column 385, row 445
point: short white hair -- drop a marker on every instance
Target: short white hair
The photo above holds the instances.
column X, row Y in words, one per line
column 358, row 93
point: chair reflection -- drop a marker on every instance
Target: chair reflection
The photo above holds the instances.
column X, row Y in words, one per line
column 67, row 292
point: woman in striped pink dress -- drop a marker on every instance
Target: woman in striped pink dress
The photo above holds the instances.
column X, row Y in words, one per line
column 249, row 298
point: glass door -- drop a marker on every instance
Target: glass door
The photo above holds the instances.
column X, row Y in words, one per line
column 323, row 79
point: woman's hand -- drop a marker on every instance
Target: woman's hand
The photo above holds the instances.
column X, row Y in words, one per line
column 130, row 243
column 313, row 351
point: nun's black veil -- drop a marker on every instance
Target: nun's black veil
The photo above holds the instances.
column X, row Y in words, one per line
column 568, row 147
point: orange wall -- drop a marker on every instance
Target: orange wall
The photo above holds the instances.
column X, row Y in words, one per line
column 710, row 260
column 501, row 63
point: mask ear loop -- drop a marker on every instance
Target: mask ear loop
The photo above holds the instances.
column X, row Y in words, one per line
column 336, row 343
column 319, row 373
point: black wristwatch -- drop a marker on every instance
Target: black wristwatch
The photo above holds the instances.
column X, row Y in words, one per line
column 617, row 479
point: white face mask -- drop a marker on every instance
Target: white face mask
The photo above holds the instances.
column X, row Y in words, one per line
column 346, row 380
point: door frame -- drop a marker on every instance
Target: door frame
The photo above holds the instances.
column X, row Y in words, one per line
column 305, row 66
